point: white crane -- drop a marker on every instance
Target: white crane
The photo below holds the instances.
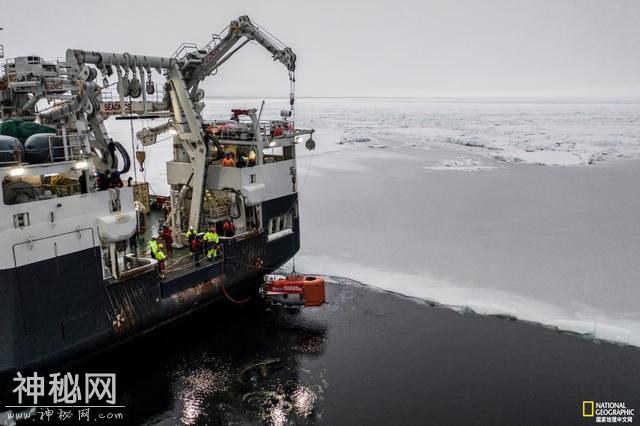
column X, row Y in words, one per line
column 199, row 64
column 184, row 71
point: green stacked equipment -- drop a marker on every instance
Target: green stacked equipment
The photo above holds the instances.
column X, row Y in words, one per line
column 21, row 129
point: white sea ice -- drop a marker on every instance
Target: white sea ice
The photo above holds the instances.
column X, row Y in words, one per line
column 460, row 165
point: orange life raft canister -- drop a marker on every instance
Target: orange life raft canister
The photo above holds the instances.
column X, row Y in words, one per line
column 294, row 290
column 313, row 291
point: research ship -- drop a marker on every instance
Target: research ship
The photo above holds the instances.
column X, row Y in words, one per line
column 73, row 282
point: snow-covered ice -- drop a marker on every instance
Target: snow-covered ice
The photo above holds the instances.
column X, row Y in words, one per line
column 537, row 133
column 460, row 164
column 462, row 204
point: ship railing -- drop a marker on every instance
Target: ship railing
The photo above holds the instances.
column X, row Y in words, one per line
column 180, row 263
column 113, row 96
column 187, row 261
column 41, row 191
column 244, row 135
column 215, row 40
column 72, row 149
column 265, row 127
column 184, row 47
column 64, row 190
column 63, row 66
column 246, row 132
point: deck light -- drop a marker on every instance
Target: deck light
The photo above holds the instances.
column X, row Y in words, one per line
column 81, row 165
column 16, row 171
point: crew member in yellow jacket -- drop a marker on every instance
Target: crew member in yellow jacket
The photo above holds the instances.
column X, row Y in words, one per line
column 211, row 241
column 155, row 250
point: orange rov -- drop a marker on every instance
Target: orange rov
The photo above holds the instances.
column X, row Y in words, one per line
column 294, row 290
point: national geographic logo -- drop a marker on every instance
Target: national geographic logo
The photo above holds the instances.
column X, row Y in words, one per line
column 608, row 412
column 588, row 409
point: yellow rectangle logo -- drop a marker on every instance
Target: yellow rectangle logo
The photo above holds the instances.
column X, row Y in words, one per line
column 587, row 408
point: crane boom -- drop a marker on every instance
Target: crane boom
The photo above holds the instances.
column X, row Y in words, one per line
column 197, row 67
column 184, row 99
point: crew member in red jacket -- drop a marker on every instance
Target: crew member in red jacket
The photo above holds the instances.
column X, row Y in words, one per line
column 168, row 240
column 229, row 229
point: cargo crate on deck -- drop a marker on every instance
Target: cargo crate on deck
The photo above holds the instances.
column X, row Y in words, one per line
column 141, row 194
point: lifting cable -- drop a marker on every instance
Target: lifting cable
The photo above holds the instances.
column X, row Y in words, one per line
column 133, row 151
column 224, row 290
column 231, row 299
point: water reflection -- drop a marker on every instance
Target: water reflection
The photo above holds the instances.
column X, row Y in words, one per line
column 194, row 384
column 276, row 394
column 304, row 400
column 261, row 381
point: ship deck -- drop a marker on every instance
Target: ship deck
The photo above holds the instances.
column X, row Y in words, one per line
column 181, row 271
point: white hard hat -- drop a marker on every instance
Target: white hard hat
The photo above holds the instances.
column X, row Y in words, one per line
column 154, row 236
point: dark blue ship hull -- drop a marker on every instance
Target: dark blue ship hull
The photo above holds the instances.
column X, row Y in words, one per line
column 61, row 309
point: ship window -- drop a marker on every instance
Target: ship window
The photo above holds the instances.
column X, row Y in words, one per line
column 280, row 223
column 280, row 226
column 289, row 152
column 21, row 220
column 272, row 155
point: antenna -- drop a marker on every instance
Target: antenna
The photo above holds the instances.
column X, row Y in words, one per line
column 1, row 47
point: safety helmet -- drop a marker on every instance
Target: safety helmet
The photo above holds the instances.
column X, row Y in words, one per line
column 154, row 237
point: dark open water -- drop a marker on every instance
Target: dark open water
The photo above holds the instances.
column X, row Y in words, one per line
column 365, row 358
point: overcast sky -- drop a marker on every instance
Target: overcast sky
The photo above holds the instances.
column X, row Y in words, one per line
column 364, row 47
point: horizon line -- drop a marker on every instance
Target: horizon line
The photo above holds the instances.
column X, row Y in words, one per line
column 476, row 98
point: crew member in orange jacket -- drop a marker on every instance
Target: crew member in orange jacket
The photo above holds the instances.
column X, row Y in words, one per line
column 228, row 161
